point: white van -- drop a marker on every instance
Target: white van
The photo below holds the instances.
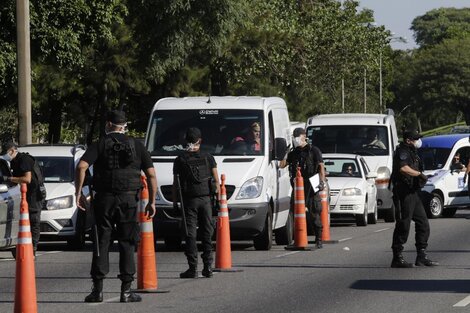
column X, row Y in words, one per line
column 258, row 191
column 374, row 136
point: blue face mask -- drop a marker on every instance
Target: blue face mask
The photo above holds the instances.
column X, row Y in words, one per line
column 7, row 157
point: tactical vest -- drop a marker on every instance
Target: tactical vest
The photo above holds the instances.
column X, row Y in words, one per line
column 117, row 168
column 400, row 180
column 305, row 159
column 195, row 175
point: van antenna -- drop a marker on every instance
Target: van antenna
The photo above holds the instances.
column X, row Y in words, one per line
column 209, row 99
column 210, row 89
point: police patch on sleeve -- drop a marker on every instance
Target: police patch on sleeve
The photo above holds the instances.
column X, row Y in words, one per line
column 403, row 155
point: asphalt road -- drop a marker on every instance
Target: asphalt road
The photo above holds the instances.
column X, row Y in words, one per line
column 351, row 276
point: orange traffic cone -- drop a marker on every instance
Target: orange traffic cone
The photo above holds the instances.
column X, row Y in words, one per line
column 146, row 262
column 25, row 287
column 325, row 217
column 300, row 221
column 223, row 254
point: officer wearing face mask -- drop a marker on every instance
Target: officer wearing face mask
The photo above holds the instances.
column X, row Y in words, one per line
column 309, row 159
column 407, row 180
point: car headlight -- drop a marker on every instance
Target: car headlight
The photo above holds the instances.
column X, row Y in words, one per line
column 251, row 188
column 60, row 203
column 352, row 192
column 383, row 176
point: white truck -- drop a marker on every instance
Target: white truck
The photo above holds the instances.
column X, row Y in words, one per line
column 258, row 191
column 374, row 136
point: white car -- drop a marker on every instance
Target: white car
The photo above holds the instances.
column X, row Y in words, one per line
column 445, row 190
column 10, row 197
column 353, row 191
column 60, row 219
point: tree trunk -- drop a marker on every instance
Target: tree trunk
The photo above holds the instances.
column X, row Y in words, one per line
column 55, row 121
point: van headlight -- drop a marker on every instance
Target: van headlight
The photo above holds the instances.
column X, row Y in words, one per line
column 251, row 188
column 60, row 203
column 383, row 177
column 352, row 192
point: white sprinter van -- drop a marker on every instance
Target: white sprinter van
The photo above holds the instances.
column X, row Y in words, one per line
column 258, row 191
column 374, row 136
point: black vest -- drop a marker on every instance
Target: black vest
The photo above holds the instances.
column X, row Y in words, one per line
column 399, row 180
column 195, row 174
column 117, row 168
column 305, row 159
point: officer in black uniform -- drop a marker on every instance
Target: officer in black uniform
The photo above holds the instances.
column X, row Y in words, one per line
column 309, row 159
column 117, row 163
column 22, row 166
column 407, row 180
column 199, row 180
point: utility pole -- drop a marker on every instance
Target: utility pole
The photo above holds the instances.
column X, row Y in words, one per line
column 342, row 93
column 24, row 72
column 380, row 80
column 365, row 90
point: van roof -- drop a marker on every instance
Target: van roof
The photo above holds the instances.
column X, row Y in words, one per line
column 59, row 150
column 442, row 141
column 228, row 102
column 349, row 119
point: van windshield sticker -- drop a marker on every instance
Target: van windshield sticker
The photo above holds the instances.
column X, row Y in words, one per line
column 208, row 112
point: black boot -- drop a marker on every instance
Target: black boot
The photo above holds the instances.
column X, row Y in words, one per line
column 422, row 259
column 207, row 271
column 399, row 262
column 127, row 295
column 318, row 243
column 191, row 272
column 96, row 294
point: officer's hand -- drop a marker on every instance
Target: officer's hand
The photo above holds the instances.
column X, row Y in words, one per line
column 81, row 202
column 150, row 210
column 423, row 177
column 321, row 186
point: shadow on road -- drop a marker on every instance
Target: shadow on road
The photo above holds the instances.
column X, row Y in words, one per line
column 420, row 285
column 310, row 266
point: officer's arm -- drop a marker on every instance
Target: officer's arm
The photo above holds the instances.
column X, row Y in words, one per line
column 216, row 178
column 80, row 173
column 152, row 185
column 282, row 163
column 321, row 171
column 26, row 178
column 406, row 169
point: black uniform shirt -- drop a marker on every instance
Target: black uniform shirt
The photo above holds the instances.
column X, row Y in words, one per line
column 298, row 157
column 20, row 165
column 405, row 155
column 91, row 154
column 177, row 164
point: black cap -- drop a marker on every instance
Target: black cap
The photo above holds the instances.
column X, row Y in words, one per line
column 411, row 134
column 299, row 131
column 116, row 117
column 7, row 145
column 193, row 134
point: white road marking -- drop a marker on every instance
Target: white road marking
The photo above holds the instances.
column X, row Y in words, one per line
column 380, row 230
column 463, row 302
column 345, row 239
column 115, row 299
column 286, row 254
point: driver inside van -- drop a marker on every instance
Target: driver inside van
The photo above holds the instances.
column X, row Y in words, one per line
column 251, row 142
column 457, row 164
column 372, row 140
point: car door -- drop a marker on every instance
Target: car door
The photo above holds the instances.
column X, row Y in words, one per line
column 9, row 209
column 371, row 188
column 457, row 190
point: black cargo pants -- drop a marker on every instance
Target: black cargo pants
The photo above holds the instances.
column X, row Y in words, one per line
column 198, row 212
column 116, row 211
column 409, row 208
column 34, row 208
column 313, row 203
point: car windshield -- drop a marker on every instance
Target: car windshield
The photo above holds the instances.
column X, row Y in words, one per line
column 56, row 169
column 354, row 139
column 224, row 132
column 434, row 158
column 339, row 167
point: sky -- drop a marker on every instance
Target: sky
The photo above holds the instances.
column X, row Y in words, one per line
column 397, row 15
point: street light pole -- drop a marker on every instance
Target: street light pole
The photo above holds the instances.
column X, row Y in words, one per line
column 342, row 93
column 380, row 80
column 365, row 90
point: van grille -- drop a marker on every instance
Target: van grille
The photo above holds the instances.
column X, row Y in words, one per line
column 167, row 192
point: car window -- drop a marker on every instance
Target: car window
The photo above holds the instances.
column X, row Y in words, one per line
column 339, row 167
column 57, row 169
column 463, row 154
column 434, row 158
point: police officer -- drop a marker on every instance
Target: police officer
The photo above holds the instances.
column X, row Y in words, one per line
column 407, row 180
column 117, row 163
column 22, row 166
column 309, row 159
column 197, row 172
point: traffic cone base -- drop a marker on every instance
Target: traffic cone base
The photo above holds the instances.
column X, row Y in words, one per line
column 294, row 248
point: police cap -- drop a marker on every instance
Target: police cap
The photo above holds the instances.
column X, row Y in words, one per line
column 193, row 134
column 411, row 134
column 299, row 131
column 116, row 117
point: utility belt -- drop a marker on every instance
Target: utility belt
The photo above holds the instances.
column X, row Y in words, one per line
column 117, row 193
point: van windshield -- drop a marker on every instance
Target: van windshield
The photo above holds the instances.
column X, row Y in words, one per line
column 434, row 158
column 224, row 132
column 355, row 139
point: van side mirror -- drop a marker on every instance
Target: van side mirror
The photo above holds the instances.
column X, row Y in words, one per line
column 280, row 145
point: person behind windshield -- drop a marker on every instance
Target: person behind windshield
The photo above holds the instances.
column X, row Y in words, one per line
column 251, row 142
column 348, row 169
column 372, row 140
column 457, row 165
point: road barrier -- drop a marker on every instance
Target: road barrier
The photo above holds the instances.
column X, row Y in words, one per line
column 25, row 285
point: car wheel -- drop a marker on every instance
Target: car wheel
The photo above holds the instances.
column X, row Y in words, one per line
column 361, row 219
column 449, row 212
column 285, row 235
column 374, row 216
column 389, row 216
column 264, row 240
column 172, row 243
column 435, row 206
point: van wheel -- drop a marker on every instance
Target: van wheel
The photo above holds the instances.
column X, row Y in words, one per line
column 285, row 235
column 435, row 206
column 449, row 212
column 361, row 219
column 389, row 216
column 264, row 240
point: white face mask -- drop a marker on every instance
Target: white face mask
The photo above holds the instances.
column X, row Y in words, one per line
column 297, row 141
column 107, row 131
column 193, row 146
column 418, row 143
column 7, row 157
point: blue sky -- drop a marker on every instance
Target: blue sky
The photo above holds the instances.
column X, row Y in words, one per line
column 397, row 15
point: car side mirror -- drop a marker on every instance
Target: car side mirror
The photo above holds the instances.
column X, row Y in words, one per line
column 3, row 188
column 280, row 145
column 371, row 175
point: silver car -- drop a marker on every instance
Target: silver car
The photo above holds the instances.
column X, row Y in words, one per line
column 10, row 198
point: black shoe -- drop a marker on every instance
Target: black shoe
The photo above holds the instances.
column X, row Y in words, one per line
column 318, row 244
column 399, row 262
column 207, row 272
column 424, row 261
column 127, row 295
column 96, row 294
column 190, row 273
